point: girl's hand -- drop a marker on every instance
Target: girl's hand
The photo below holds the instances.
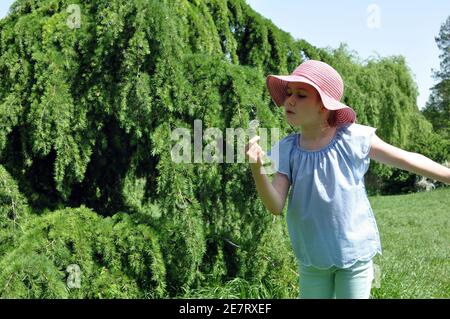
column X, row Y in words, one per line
column 254, row 152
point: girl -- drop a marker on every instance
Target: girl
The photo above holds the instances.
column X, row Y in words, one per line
column 331, row 224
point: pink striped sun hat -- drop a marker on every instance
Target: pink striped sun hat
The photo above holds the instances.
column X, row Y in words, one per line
column 325, row 79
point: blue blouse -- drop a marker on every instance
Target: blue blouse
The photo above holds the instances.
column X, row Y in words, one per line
column 329, row 217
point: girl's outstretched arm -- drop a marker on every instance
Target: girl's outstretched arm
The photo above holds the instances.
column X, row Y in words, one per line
column 419, row 164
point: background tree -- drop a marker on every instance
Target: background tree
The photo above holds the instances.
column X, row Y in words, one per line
column 437, row 109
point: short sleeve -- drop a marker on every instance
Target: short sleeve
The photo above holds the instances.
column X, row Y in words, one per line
column 364, row 138
column 359, row 140
column 280, row 155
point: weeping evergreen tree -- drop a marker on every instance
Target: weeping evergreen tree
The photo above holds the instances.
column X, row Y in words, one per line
column 117, row 258
column 13, row 211
column 86, row 115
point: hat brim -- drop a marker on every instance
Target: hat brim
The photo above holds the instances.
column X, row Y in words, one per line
column 277, row 85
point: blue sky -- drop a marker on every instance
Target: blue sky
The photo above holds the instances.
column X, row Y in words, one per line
column 406, row 27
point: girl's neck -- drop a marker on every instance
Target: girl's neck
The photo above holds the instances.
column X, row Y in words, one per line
column 315, row 133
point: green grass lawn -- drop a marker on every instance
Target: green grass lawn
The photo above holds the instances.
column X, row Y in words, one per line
column 415, row 237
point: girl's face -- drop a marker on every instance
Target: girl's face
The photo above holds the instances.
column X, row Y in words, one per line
column 303, row 105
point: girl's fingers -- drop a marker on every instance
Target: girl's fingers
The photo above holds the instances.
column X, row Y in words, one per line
column 254, row 139
column 255, row 148
column 254, row 152
column 252, row 142
column 260, row 153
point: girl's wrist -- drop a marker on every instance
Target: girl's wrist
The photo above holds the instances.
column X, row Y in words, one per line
column 255, row 165
column 257, row 169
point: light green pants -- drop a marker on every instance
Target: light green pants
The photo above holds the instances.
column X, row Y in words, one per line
column 354, row 282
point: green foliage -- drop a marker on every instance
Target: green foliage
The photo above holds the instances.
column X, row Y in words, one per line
column 13, row 211
column 277, row 271
column 27, row 274
column 117, row 258
column 85, row 121
column 415, row 232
